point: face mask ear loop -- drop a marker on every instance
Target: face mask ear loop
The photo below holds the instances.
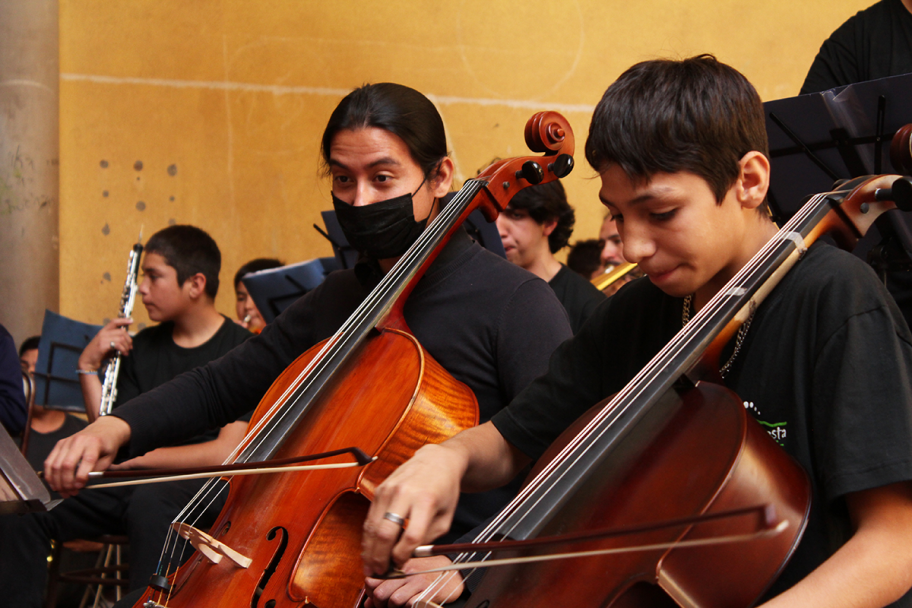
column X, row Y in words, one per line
column 420, row 186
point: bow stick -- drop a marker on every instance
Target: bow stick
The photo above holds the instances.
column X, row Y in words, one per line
column 281, row 465
column 766, row 526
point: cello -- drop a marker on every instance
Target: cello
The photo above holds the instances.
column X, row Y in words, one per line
column 293, row 539
column 673, row 444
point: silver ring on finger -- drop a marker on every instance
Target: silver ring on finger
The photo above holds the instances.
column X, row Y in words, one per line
column 396, row 519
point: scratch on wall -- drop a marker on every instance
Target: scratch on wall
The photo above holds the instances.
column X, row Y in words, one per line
column 522, row 104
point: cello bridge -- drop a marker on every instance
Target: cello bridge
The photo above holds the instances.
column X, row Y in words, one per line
column 211, row 548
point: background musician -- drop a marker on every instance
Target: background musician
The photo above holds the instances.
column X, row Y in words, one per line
column 248, row 314
column 612, row 255
column 826, row 361
column 490, row 324
column 180, row 281
column 537, row 224
column 48, row 425
column 875, row 43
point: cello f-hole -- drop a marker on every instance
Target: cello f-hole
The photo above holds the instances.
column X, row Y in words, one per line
column 271, row 567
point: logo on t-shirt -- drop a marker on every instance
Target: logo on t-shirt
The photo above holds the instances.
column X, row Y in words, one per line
column 776, row 430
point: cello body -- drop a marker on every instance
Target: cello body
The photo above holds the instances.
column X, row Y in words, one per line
column 306, row 551
column 697, row 452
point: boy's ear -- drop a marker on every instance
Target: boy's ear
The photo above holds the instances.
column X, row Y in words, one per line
column 548, row 226
column 753, row 181
column 196, row 285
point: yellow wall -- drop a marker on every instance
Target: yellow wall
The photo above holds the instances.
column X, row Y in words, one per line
column 223, row 103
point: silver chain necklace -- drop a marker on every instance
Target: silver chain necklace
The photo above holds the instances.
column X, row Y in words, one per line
column 739, row 340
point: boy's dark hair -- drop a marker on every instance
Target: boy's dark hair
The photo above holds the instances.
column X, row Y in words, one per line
column 546, row 202
column 585, row 257
column 254, row 266
column 697, row 115
column 29, row 343
column 189, row 250
column 402, row 111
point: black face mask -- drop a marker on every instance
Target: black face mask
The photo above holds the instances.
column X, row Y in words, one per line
column 381, row 230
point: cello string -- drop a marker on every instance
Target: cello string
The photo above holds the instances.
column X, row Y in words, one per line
column 172, row 539
column 750, row 271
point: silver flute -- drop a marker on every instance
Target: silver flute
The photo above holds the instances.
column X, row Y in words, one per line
column 127, row 299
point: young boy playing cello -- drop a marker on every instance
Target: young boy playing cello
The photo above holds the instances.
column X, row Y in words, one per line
column 681, row 150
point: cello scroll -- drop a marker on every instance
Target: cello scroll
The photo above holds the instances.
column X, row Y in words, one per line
column 547, row 132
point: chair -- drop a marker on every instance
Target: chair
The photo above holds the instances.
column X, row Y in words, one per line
column 103, row 574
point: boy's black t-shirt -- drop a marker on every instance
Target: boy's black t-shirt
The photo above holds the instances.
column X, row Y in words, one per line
column 579, row 297
column 826, row 368
column 875, row 43
column 156, row 359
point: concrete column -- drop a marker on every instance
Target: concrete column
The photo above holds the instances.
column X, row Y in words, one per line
column 29, row 201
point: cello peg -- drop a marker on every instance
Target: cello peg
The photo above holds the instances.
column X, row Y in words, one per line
column 562, row 165
column 532, row 172
column 900, row 193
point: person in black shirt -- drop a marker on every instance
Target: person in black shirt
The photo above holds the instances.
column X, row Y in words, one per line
column 680, row 147
column 537, row 224
column 875, row 43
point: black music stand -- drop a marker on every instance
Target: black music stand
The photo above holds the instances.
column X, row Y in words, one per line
column 20, row 489
column 275, row 289
column 345, row 254
column 842, row 133
column 56, row 380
